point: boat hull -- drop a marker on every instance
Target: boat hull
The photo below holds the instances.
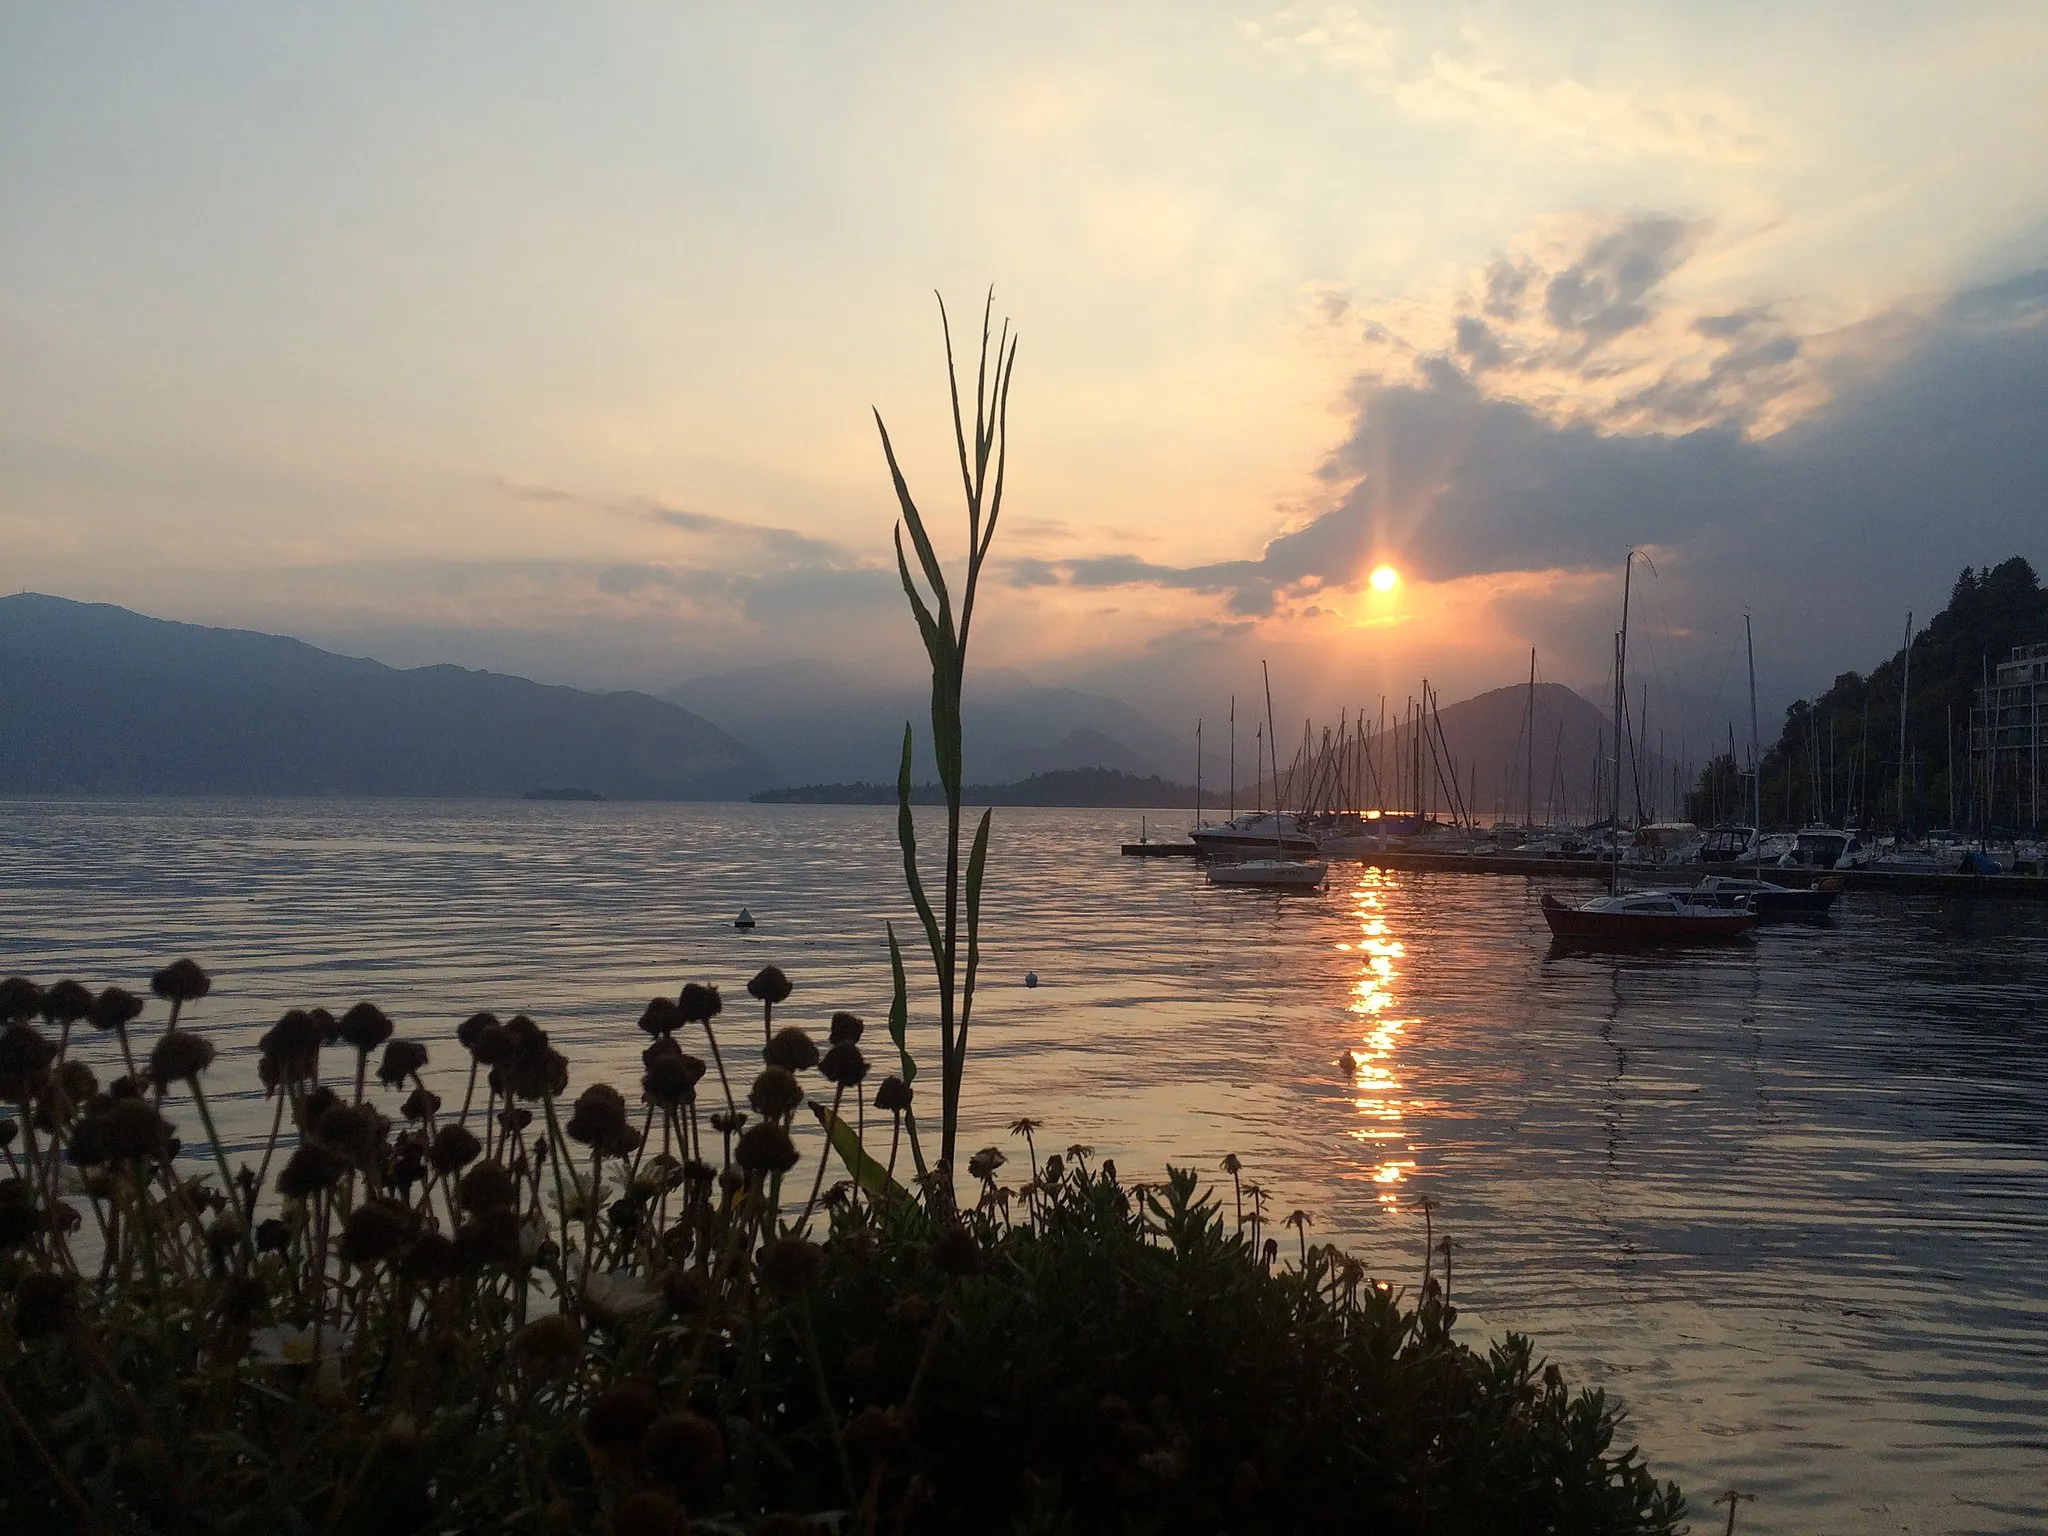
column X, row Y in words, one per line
column 1577, row 924
column 1272, row 874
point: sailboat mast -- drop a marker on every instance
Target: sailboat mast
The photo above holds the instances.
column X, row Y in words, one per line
column 1529, row 781
column 1628, row 572
column 1756, row 766
column 1905, row 676
column 1272, row 751
column 1233, row 757
column 1198, row 770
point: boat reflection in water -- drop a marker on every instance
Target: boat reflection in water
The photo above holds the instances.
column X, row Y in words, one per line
column 1376, row 1086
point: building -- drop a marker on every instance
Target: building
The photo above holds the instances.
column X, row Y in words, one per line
column 2008, row 735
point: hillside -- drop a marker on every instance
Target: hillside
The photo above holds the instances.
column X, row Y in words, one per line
column 819, row 723
column 1086, row 787
column 1837, row 757
column 95, row 699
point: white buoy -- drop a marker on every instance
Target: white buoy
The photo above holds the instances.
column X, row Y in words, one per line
column 744, row 920
column 1031, row 978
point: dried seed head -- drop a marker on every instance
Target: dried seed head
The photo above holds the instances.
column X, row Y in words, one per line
column 44, row 1305
column 728, row 1122
column 356, row 1131
column 491, row 1237
column 182, row 981
column 488, row 1187
column 619, row 1415
column 431, row 1260
column 893, row 1095
column 330, row 1027
column 273, row 1235
column 20, row 998
column 671, row 1079
column 790, row 1266
column 549, row 1345
column 113, row 1009
column 700, row 1004
column 769, row 985
column 292, row 1045
column 467, row 1031
column 648, row 1513
column 765, row 1148
column 775, row 1093
column 599, row 1118
column 66, row 1003
column 662, row 1017
column 25, row 1058
column 455, row 1146
column 492, row 1045
column 316, row 1104
column 685, row 1452
column 365, row 1027
column 955, row 1252
column 983, row 1164
column 844, row 1066
column 376, row 1231
column 402, row 1058
column 312, row 1167
column 180, row 1056
column 791, row 1048
column 421, row 1104
column 130, row 1129
column 535, row 1069
column 846, row 1028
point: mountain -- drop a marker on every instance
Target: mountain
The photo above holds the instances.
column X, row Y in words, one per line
column 820, row 723
column 95, row 699
column 1101, row 788
column 1490, row 759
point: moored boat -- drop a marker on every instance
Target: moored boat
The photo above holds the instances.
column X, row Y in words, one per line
column 1255, row 832
column 1636, row 917
column 1766, row 900
column 1282, row 874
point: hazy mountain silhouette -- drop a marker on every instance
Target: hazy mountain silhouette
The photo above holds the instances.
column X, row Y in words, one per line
column 95, row 699
column 820, row 723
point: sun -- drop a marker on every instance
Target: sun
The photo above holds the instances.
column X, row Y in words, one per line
column 1385, row 578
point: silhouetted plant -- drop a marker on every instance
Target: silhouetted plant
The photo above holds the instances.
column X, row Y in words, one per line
column 945, row 634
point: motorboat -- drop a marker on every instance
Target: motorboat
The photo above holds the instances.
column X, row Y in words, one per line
column 1664, row 842
column 1728, row 845
column 1767, row 901
column 1819, row 847
column 1638, row 917
column 1254, row 834
column 1283, row 874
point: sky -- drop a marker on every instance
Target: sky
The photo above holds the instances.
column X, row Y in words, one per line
column 548, row 338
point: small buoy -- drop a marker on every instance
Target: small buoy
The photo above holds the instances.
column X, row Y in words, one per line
column 1348, row 1062
column 1031, row 978
column 744, row 920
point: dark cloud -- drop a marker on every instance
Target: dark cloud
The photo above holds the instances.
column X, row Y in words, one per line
column 1929, row 458
column 1607, row 290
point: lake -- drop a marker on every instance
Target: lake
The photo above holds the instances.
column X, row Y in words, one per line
column 1788, row 1199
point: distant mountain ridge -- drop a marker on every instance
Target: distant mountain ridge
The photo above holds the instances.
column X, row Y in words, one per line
column 95, row 699
column 1102, row 788
column 821, row 723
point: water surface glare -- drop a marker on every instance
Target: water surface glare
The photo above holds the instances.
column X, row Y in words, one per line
column 1789, row 1199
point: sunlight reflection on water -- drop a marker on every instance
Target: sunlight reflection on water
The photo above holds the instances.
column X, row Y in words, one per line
column 1787, row 1199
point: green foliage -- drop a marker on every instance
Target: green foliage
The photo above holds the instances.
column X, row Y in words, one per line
column 945, row 644
column 1722, row 794
column 1837, row 757
column 410, row 1344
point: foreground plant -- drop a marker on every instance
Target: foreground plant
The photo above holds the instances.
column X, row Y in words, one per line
column 618, row 1310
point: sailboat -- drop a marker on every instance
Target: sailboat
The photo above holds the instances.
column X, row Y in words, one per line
column 1638, row 917
column 1276, row 871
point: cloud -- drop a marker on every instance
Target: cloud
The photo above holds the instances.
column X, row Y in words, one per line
column 1501, row 89
column 1922, row 445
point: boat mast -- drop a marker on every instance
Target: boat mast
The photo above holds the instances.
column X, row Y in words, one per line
column 1529, row 783
column 1198, row 770
column 1273, row 752
column 1233, row 757
column 1905, row 677
column 1756, row 767
column 1628, row 572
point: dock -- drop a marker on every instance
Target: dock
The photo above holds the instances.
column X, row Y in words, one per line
column 2027, row 887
